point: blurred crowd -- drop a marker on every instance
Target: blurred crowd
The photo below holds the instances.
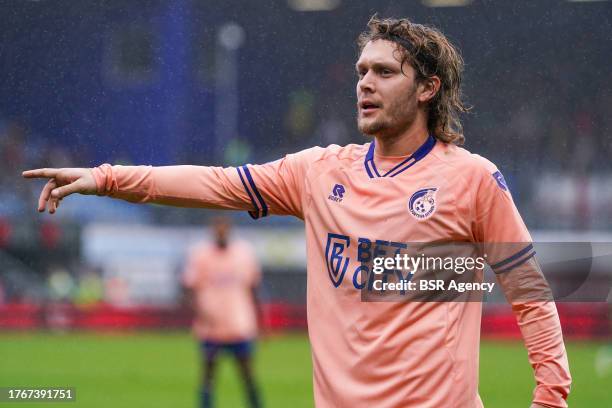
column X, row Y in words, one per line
column 541, row 130
column 537, row 77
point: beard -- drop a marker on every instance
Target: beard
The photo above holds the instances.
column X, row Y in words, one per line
column 393, row 120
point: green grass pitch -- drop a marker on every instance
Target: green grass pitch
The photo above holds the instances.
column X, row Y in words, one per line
column 161, row 370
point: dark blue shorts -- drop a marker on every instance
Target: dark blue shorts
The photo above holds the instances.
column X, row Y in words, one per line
column 240, row 349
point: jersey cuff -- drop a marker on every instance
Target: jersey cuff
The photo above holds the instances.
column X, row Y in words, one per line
column 259, row 205
column 515, row 260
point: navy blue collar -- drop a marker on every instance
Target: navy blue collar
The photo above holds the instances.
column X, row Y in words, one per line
column 421, row 152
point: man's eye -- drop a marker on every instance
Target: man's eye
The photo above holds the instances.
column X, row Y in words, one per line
column 386, row 72
column 361, row 74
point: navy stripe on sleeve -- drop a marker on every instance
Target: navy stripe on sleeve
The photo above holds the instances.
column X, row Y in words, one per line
column 515, row 260
column 517, row 263
column 513, row 257
column 264, row 206
column 256, row 213
column 261, row 204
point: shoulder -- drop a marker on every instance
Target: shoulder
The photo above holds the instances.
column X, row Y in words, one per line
column 476, row 171
column 199, row 249
column 245, row 251
column 333, row 152
column 464, row 161
column 242, row 244
column 202, row 246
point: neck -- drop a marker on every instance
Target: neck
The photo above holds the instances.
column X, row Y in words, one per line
column 404, row 143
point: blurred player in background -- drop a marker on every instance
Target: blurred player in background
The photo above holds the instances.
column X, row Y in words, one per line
column 221, row 280
column 410, row 184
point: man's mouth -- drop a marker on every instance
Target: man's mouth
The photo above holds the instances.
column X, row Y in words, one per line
column 368, row 106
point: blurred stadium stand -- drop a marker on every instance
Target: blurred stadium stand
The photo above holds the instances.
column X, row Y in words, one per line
column 135, row 82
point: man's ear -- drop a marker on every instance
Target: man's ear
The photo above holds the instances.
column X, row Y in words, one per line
column 428, row 88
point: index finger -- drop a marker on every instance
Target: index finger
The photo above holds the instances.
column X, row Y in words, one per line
column 40, row 173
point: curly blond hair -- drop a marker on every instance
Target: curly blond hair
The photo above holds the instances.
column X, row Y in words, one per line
column 430, row 53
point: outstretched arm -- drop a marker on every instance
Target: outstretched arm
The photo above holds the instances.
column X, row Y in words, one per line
column 271, row 188
column 182, row 186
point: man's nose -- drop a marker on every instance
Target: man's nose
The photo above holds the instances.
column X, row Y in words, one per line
column 366, row 83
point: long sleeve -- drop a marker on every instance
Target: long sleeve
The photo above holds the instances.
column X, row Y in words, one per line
column 528, row 293
column 182, row 186
column 541, row 331
column 271, row 188
column 500, row 227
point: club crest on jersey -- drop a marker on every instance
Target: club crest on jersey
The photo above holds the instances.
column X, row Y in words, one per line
column 422, row 204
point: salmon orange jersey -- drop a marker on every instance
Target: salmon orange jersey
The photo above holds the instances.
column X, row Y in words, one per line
column 222, row 280
column 355, row 202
